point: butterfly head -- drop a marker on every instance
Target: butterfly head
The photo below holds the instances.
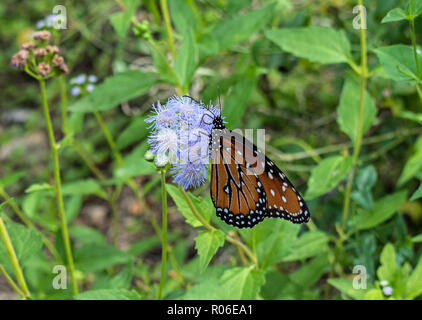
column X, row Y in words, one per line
column 218, row 123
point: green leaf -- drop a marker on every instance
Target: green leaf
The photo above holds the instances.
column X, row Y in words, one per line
column 374, row 294
column 417, row 238
column 203, row 205
column 365, row 180
column 414, row 10
column 134, row 168
column 311, row 271
column 382, row 210
column 417, row 194
column 207, row 243
column 230, row 32
column 398, row 62
column 327, row 174
column 317, row 44
column 26, row 242
column 414, row 283
column 98, row 256
column 137, row 130
column 348, row 109
column 109, row 294
column 413, row 164
column 388, row 264
column 309, row 244
column 236, row 102
column 186, row 60
column 273, row 239
column 121, row 20
column 11, row 179
column 241, row 283
column 115, row 90
column 83, row 187
column 395, row 14
column 86, row 235
column 346, row 287
column 39, row 187
column 182, row 16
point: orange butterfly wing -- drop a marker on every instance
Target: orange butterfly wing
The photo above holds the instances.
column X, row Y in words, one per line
column 247, row 189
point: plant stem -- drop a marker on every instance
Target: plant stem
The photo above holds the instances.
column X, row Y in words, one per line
column 13, row 258
column 59, row 197
column 29, row 223
column 163, row 233
column 229, row 238
column 108, row 137
column 167, row 23
column 359, row 133
column 11, row 282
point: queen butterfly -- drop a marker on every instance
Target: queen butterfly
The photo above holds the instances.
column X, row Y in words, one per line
column 246, row 186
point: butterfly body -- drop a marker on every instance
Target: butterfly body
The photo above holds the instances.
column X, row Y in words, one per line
column 246, row 186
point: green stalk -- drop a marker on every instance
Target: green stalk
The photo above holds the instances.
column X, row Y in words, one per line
column 13, row 259
column 163, row 233
column 413, row 35
column 29, row 223
column 233, row 240
column 108, row 137
column 167, row 23
column 11, row 282
column 59, row 197
column 359, row 134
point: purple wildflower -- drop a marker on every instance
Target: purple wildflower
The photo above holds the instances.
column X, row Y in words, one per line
column 181, row 130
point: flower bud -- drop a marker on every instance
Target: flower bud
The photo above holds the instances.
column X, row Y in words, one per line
column 53, row 49
column 40, row 52
column 44, row 69
column 149, row 156
column 28, row 46
column 19, row 59
column 57, row 61
column 161, row 160
column 42, row 35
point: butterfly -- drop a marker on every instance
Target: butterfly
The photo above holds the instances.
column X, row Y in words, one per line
column 246, row 186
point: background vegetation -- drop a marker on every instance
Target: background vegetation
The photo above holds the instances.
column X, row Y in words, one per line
column 341, row 108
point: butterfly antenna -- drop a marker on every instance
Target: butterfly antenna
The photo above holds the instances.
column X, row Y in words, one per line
column 219, row 99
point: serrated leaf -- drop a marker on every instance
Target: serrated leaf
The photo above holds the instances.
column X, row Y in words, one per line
column 230, row 32
column 182, row 16
column 121, row 20
column 109, row 294
column 414, row 282
column 348, row 109
column 39, row 187
column 186, row 60
column 86, row 235
column 413, row 164
column 382, row 210
column 395, row 14
column 388, row 264
column 135, row 131
column 98, row 256
column 417, row 194
column 346, row 287
column 26, row 243
column 83, row 187
column 207, row 243
column 398, row 62
column 115, row 90
column 327, row 174
column 241, row 283
column 317, row 44
column 204, row 206
column 311, row 243
column 236, row 102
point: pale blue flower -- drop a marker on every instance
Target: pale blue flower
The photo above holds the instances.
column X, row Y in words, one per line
column 90, row 87
column 181, row 130
column 75, row 91
column 92, row 78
